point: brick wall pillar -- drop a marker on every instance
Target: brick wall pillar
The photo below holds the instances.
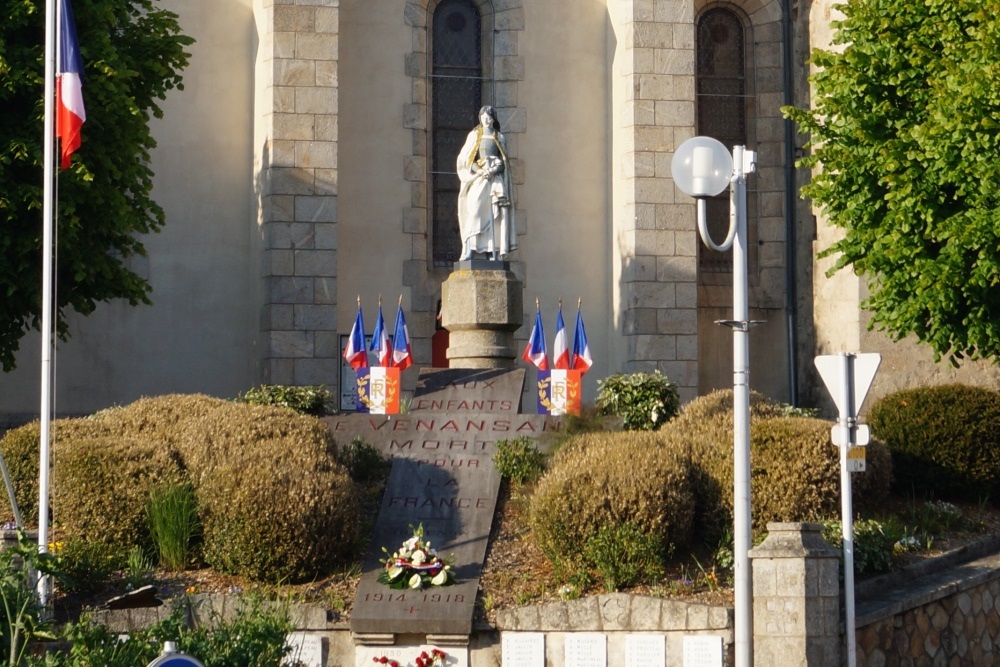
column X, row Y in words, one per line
column 796, row 597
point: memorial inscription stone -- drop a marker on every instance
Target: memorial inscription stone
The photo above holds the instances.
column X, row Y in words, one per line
column 442, row 478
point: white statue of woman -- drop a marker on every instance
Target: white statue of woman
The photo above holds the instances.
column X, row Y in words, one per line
column 486, row 197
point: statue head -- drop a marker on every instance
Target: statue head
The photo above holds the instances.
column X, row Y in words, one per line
column 491, row 112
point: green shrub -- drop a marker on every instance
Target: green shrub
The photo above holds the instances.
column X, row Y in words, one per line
column 306, row 400
column 624, row 555
column 874, row 544
column 173, row 522
column 20, row 614
column 945, row 440
column 253, row 636
column 364, row 463
column 795, row 470
column 518, row 460
column 607, row 479
column 646, row 401
column 275, row 504
column 86, row 566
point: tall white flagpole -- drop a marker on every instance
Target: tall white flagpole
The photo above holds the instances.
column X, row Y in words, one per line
column 48, row 216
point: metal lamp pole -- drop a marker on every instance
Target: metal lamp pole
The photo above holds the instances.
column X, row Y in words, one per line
column 702, row 167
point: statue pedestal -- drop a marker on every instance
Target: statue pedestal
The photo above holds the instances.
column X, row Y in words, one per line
column 482, row 305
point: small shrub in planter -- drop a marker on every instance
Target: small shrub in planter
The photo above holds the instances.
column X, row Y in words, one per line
column 945, row 440
column 518, row 460
column 646, row 401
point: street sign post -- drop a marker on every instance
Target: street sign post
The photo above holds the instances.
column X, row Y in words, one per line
column 171, row 658
column 848, row 377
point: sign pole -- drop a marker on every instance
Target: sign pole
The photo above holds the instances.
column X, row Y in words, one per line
column 845, row 424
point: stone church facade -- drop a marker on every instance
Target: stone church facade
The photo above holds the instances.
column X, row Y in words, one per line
column 309, row 164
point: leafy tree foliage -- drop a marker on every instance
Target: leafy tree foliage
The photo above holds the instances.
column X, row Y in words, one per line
column 905, row 139
column 133, row 53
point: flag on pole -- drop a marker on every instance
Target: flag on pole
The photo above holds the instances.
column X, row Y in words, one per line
column 581, row 359
column 560, row 347
column 355, row 353
column 380, row 340
column 70, row 113
column 402, row 355
column 535, row 352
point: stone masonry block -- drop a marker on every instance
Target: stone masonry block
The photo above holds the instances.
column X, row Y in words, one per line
column 697, row 615
column 791, row 577
column 292, row 181
column 315, row 318
column 280, row 235
column 675, row 11
column 313, row 46
column 674, row 112
column 315, row 263
column 293, row 126
column 677, row 321
column 316, row 154
column 326, row 127
column 764, row 578
column 289, row 344
column 279, row 371
column 584, row 615
column 282, row 154
column 510, row 19
column 327, row 20
column 288, row 18
column 653, row 295
column 653, row 35
column 508, row 68
column 282, row 289
column 316, row 100
column 672, row 61
column 615, row 611
column 294, row 72
column 673, row 615
column 325, row 182
column 656, row 87
column 327, row 74
column 277, row 317
column 316, row 209
column 645, row 613
column 316, row 371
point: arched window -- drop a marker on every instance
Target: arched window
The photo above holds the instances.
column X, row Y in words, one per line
column 456, row 95
column 722, row 109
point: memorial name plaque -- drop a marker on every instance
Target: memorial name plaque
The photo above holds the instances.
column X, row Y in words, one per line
column 306, row 650
column 479, row 390
column 523, row 649
column 586, row 649
column 406, row 655
column 645, row 650
column 702, row 651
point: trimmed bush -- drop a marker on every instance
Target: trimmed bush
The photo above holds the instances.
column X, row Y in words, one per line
column 308, row 400
column 945, row 440
column 646, row 401
column 275, row 504
column 601, row 480
column 795, row 470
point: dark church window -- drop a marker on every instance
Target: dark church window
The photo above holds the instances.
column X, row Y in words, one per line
column 722, row 110
column 456, row 95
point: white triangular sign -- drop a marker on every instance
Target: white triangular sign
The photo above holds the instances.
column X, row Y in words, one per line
column 830, row 367
column 865, row 367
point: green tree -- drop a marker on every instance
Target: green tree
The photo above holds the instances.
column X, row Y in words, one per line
column 133, row 53
column 905, row 144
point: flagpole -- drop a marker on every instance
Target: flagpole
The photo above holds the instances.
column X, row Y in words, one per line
column 48, row 217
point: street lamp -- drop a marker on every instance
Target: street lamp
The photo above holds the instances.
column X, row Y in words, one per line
column 702, row 167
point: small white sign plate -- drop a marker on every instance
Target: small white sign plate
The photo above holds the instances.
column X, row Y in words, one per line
column 702, row 651
column 307, row 650
column 586, row 649
column 523, row 648
column 645, row 650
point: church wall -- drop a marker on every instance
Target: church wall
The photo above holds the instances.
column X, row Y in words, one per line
column 200, row 333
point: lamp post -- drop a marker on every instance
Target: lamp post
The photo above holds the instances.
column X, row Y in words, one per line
column 702, row 167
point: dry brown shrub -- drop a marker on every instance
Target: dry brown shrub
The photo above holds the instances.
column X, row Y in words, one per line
column 603, row 479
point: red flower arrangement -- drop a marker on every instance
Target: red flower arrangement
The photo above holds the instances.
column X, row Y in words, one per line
column 436, row 658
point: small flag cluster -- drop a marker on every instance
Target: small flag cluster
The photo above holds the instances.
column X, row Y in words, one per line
column 397, row 355
column 563, row 358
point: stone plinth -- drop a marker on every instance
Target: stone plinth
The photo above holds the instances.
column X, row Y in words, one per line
column 482, row 307
column 796, row 597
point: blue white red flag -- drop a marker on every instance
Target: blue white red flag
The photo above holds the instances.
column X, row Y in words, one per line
column 535, row 352
column 355, row 352
column 380, row 340
column 581, row 359
column 402, row 355
column 70, row 113
column 560, row 347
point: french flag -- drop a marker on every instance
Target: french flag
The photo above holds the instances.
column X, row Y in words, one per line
column 560, row 347
column 582, row 361
column 380, row 340
column 534, row 351
column 402, row 355
column 355, row 352
column 69, row 86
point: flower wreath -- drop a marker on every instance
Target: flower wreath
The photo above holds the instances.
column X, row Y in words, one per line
column 436, row 658
column 416, row 565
